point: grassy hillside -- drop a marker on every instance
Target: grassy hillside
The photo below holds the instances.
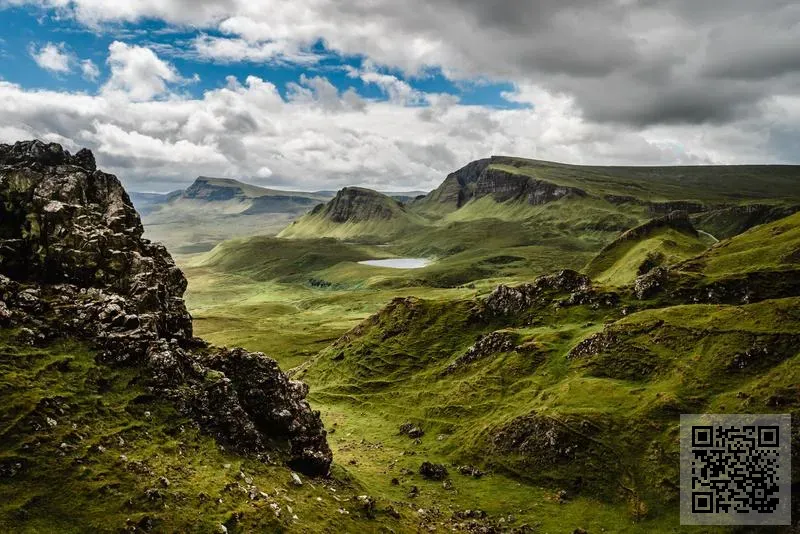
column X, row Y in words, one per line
column 608, row 386
column 87, row 449
column 568, row 403
column 656, row 243
column 768, row 247
column 355, row 213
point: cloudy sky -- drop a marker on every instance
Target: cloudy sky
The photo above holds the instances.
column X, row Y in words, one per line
column 317, row 94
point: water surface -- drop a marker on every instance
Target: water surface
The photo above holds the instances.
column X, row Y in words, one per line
column 399, row 263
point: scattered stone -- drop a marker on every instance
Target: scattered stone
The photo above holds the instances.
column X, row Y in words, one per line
column 433, row 471
column 296, row 481
column 470, row 470
column 390, row 511
column 164, row 481
column 411, row 430
column 367, row 505
column 413, row 492
column 222, row 529
column 447, row 484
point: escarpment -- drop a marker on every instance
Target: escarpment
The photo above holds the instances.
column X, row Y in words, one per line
column 73, row 264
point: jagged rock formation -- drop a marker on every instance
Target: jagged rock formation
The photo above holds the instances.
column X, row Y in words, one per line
column 73, row 264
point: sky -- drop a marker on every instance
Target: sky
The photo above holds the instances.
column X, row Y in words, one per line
column 319, row 94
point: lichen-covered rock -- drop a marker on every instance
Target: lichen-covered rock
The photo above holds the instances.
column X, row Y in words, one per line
column 73, row 264
column 486, row 345
column 63, row 221
column 649, row 284
column 433, row 471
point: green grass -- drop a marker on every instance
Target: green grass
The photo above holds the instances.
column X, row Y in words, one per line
column 621, row 263
column 773, row 246
column 91, row 452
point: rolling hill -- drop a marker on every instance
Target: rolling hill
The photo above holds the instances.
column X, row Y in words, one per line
column 355, row 213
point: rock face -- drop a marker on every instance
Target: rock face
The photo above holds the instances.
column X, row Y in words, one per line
column 64, row 222
column 73, row 264
column 479, row 179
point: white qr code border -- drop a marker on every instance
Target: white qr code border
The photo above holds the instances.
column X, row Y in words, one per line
column 708, row 485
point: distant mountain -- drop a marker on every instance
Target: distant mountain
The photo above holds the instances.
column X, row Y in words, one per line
column 354, row 211
column 215, row 209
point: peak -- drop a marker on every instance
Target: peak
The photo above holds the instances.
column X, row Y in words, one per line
column 359, row 191
column 48, row 154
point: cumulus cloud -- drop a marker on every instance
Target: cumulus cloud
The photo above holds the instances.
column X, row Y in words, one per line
column 137, row 72
column 246, row 129
column 617, row 82
column 627, row 62
column 53, row 57
column 90, row 70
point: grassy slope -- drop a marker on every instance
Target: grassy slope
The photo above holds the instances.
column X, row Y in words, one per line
column 390, row 372
column 673, row 360
column 773, row 246
column 89, row 469
column 619, row 264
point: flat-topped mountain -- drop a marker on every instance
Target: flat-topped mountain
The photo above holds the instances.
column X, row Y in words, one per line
column 536, row 182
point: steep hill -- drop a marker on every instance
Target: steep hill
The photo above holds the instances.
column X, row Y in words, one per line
column 662, row 241
column 354, row 212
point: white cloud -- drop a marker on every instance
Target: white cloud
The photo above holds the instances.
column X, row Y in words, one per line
column 53, row 57
column 138, row 73
column 247, row 130
column 90, row 71
column 224, row 50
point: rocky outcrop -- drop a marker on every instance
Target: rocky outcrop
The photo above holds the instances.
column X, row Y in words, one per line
column 457, row 188
column 62, row 221
column 506, row 300
column 73, row 264
column 486, row 345
column 480, row 178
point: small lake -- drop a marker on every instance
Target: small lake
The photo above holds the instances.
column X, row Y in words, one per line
column 398, row 263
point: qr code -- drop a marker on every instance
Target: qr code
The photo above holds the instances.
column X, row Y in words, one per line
column 735, row 469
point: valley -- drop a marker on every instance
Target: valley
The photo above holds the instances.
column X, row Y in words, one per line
column 479, row 369
column 529, row 378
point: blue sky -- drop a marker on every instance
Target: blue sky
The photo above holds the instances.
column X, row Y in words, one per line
column 25, row 26
column 319, row 94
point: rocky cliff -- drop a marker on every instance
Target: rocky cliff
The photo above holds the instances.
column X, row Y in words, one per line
column 480, row 178
column 73, row 264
